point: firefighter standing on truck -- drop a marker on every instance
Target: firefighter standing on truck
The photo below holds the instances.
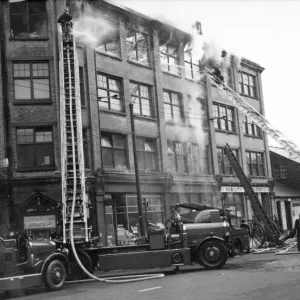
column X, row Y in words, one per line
column 297, row 231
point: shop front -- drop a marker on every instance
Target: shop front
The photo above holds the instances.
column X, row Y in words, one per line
column 38, row 216
column 239, row 205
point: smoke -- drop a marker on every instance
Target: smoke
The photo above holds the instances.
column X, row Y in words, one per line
column 91, row 26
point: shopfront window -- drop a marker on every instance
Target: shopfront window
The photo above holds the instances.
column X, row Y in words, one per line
column 124, row 212
column 234, row 202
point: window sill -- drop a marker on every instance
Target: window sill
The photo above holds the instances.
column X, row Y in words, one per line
column 32, row 102
column 177, row 124
column 114, row 112
column 171, row 74
column 248, row 96
column 29, row 39
column 193, row 80
column 139, row 64
column 108, row 54
column 35, row 169
column 253, row 136
column 145, row 118
column 225, row 131
column 257, row 177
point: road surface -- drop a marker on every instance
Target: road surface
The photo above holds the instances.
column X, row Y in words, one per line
column 251, row 276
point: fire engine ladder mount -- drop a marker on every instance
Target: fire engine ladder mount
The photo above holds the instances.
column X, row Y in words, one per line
column 72, row 162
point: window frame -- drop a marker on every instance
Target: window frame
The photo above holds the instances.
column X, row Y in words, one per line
column 32, row 100
column 136, row 47
column 176, row 155
column 27, row 14
column 144, row 151
column 168, row 68
column 110, row 93
column 192, row 64
column 140, row 98
column 114, row 148
column 250, row 87
column 105, row 42
column 224, row 163
column 34, row 146
column 257, row 164
column 218, row 121
column 171, row 104
column 256, row 131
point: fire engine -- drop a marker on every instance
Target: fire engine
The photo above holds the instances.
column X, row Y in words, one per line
column 34, row 262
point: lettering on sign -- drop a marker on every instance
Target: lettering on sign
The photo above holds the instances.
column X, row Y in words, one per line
column 240, row 189
column 39, row 222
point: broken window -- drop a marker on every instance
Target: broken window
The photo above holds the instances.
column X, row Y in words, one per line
column 31, row 81
column 110, row 42
column 247, row 84
column 35, row 147
column 169, row 59
column 114, row 151
column 141, row 97
column 137, row 46
column 28, row 19
column 192, row 67
column 173, row 107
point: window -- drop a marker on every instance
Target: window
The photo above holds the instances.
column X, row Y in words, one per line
column 147, row 154
column 251, row 129
column 169, row 59
column 28, row 19
column 31, row 81
column 223, row 117
column 110, row 92
column 141, row 97
column 247, row 84
column 196, row 159
column 256, row 164
column 192, row 66
column 110, row 42
column 280, row 171
column 173, row 107
column 137, row 46
column 114, row 154
column 177, row 157
column 81, row 86
column 85, row 148
column 35, row 147
column 225, row 167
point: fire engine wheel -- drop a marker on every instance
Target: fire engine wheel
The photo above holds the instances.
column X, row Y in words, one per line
column 55, row 275
column 212, row 254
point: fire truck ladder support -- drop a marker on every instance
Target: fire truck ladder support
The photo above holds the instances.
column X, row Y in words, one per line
column 253, row 115
column 73, row 176
column 255, row 204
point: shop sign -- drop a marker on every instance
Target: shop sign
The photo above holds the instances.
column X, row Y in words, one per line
column 240, row 189
column 39, row 222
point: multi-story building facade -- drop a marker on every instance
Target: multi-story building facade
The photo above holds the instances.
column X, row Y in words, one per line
column 181, row 120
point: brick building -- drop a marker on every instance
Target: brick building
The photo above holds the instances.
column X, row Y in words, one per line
column 181, row 120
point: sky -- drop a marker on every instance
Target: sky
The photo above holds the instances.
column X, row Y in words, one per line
column 265, row 32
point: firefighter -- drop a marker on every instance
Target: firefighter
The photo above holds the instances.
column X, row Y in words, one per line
column 297, row 231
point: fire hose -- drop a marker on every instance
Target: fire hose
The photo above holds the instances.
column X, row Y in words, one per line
column 117, row 279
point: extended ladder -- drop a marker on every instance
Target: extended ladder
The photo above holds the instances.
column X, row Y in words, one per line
column 258, row 210
column 72, row 162
column 254, row 116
